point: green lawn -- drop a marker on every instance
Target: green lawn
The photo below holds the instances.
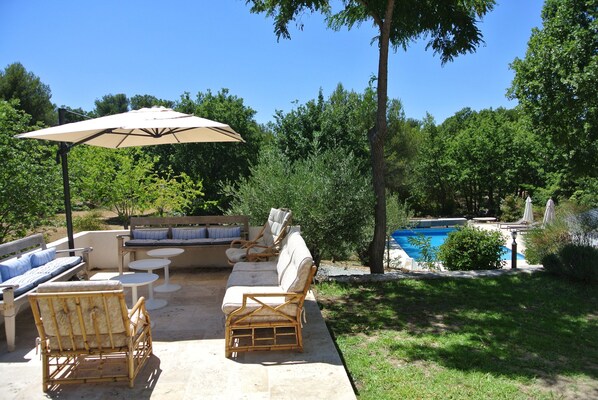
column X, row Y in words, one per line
column 514, row 337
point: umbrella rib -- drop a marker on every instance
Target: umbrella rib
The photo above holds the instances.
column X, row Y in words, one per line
column 95, row 135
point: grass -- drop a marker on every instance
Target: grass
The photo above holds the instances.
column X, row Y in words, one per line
column 513, row 337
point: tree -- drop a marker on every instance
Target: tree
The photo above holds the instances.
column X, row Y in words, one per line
column 214, row 163
column 33, row 95
column 147, row 101
column 451, row 28
column 29, row 180
column 556, row 83
column 326, row 191
column 112, row 104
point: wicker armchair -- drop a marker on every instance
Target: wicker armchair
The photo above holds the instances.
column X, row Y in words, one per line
column 88, row 335
column 267, row 243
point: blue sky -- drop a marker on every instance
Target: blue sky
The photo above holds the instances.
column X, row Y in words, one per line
column 86, row 49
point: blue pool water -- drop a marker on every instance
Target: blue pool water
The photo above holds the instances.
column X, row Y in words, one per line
column 437, row 237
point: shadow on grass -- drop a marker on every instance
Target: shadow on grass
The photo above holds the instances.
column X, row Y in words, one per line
column 515, row 326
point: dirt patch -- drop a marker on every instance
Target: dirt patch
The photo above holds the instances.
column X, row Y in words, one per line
column 57, row 229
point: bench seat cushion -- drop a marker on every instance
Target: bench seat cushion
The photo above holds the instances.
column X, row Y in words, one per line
column 252, row 278
column 233, row 299
column 177, row 242
column 255, row 266
column 26, row 282
column 57, row 266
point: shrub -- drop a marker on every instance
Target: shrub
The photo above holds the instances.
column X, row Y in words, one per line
column 470, row 248
column 329, row 196
column 511, row 208
column 575, row 261
column 542, row 241
column 91, row 221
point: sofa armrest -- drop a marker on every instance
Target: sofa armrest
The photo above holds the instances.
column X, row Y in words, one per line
column 78, row 249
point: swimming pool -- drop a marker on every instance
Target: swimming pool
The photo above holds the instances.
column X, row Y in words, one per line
column 437, row 238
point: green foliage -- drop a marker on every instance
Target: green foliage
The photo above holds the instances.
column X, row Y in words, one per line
column 121, row 180
column 472, row 161
column 33, row 95
column 574, row 261
column 148, row 101
column 175, row 195
column 342, row 120
column 398, row 215
column 112, row 104
column 470, row 248
column 29, row 179
column 429, row 254
column 91, row 221
column 213, row 163
column 556, row 82
column 326, row 192
column 451, row 27
column 511, row 208
column 543, row 241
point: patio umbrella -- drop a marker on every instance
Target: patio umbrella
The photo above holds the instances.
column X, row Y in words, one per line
column 548, row 212
column 528, row 215
column 144, row 127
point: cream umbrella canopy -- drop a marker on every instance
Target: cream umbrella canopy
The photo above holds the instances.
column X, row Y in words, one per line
column 528, row 215
column 549, row 212
column 144, row 127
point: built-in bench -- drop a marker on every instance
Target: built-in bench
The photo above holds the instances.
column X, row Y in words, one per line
column 207, row 232
column 438, row 222
column 264, row 300
column 26, row 263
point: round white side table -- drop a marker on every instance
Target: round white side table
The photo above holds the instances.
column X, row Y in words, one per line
column 139, row 279
column 166, row 253
column 150, row 265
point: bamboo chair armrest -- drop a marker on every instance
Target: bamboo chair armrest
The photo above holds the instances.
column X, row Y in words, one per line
column 242, row 242
column 139, row 308
column 4, row 286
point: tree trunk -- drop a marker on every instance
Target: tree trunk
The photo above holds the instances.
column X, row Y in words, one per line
column 376, row 138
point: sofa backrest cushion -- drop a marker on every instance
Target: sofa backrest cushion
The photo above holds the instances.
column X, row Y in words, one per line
column 42, row 257
column 293, row 278
column 14, row 267
column 224, row 232
column 155, row 234
column 189, row 233
column 81, row 314
column 278, row 222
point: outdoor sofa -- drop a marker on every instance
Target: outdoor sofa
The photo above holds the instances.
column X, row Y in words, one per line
column 263, row 302
column 204, row 233
column 26, row 263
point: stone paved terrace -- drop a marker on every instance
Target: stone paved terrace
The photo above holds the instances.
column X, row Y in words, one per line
column 188, row 360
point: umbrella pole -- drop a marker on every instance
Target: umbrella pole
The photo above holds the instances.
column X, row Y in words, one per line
column 63, row 151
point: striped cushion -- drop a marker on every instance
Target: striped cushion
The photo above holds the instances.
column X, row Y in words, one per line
column 189, row 233
column 155, row 234
column 219, row 233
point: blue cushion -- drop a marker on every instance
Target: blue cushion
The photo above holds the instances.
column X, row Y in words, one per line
column 219, row 233
column 40, row 258
column 189, row 233
column 155, row 234
column 14, row 267
column 27, row 281
column 141, row 242
column 57, row 266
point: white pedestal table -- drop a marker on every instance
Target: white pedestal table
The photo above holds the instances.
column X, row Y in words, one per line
column 166, row 253
column 150, row 265
column 139, row 279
